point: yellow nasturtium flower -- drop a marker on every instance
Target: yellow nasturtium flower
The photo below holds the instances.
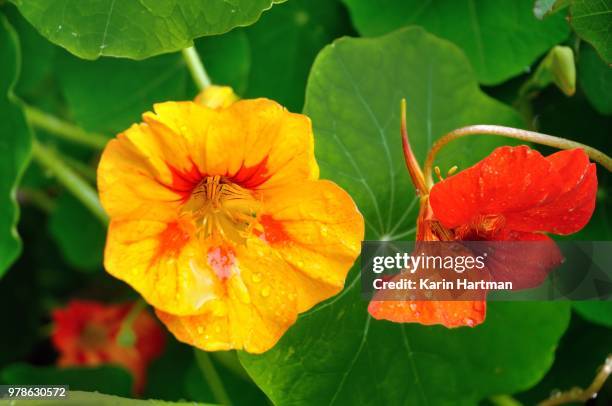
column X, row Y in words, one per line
column 220, row 221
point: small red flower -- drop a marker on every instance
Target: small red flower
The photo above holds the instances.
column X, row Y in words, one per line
column 85, row 333
column 517, row 194
column 514, row 194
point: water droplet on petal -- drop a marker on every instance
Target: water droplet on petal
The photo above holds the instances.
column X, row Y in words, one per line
column 324, row 230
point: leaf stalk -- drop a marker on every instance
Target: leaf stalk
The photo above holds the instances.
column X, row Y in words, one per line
column 196, row 67
column 64, row 130
column 76, row 185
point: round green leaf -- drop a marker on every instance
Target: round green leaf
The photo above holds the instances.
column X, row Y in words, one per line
column 135, row 28
column 592, row 21
column 15, row 145
column 336, row 354
column 501, row 38
column 595, row 78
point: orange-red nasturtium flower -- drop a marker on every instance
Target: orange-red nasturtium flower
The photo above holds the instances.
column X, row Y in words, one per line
column 220, row 221
column 514, row 194
column 85, row 333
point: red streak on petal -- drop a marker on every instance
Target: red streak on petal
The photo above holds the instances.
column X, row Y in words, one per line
column 251, row 177
column 221, row 259
column 171, row 242
column 274, row 232
column 184, row 182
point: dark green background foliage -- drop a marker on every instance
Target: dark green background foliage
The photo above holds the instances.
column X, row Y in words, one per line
column 99, row 64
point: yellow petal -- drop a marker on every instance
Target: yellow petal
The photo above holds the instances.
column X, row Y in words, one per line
column 164, row 263
column 259, row 307
column 317, row 229
column 257, row 142
column 261, row 133
column 154, row 162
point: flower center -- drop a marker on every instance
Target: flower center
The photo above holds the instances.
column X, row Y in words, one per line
column 93, row 336
column 222, row 209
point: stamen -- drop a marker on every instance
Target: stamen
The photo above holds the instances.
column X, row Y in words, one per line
column 222, row 209
column 438, row 173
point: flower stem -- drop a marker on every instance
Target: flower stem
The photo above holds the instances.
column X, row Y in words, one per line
column 64, row 130
column 81, row 168
column 212, row 377
column 578, row 395
column 516, row 133
column 66, row 176
column 126, row 336
column 196, row 67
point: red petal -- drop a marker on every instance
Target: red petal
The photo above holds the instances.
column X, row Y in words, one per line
column 394, row 305
column 533, row 193
column 448, row 313
column 573, row 207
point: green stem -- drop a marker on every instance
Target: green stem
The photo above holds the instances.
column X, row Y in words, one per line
column 196, row 67
column 516, row 133
column 64, row 130
column 67, row 177
column 81, row 168
column 212, row 377
column 578, row 395
column 126, row 336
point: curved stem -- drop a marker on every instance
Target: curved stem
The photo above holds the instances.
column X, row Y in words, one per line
column 578, row 395
column 516, row 133
column 64, row 130
column 212, row 377
column 196, row 67
column 126, row 336
column 80, row 168
column 67, row 177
